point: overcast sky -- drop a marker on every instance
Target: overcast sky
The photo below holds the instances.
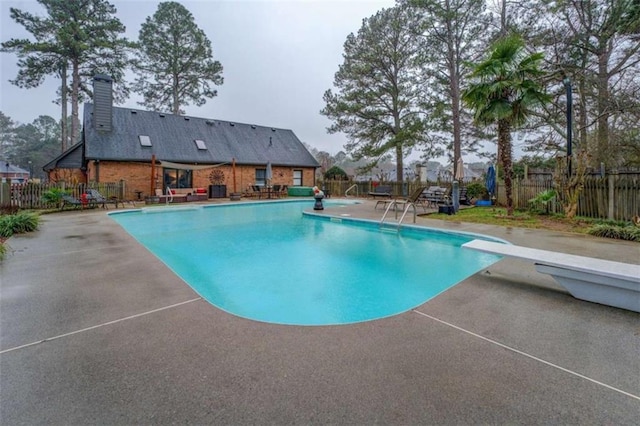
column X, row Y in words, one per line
column 279, row 57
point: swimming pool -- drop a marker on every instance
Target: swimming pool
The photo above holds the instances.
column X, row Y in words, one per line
column 269, row 262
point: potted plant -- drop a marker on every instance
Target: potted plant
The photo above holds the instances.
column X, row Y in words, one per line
column 478, row 194
column 217, row 189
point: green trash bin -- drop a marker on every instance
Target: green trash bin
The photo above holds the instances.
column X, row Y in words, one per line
column 300, row 191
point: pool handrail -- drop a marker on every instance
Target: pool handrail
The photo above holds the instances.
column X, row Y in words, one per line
column 169, row 198
column 394, row 204
column 346, row 193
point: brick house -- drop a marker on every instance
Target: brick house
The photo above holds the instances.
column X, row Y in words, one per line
column 11, row 172
column 153, row 150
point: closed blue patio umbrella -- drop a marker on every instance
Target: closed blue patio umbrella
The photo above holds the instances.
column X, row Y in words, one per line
column 490, row 181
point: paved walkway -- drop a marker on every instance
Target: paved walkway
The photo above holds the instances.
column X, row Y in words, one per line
column 96, row 330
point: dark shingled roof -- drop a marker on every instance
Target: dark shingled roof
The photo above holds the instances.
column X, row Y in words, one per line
column 173, row 139
column 70, row 159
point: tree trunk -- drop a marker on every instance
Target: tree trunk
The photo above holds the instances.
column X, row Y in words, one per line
column 63, row 100
column 504, row 147
column 399, row 164
column 582, row 116
column 176, row 101
column 399, row 144
column 454, row 86
column 75, row 90
column 604, row 155
column 503, row 18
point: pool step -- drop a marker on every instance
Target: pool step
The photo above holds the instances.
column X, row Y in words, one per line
column 394, row 205
column 390, row 227
column 147, row 210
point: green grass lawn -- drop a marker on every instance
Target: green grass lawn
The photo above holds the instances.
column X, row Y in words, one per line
column 521, row 219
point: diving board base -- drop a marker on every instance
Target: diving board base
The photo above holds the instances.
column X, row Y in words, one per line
column 610, row 291
column 594, row 280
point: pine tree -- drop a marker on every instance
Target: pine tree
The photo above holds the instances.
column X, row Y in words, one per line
column 176, row 66
column 74, row 35
column 378, row 90
column 454, row 35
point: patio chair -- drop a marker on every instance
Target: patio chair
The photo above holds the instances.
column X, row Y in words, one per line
column 69, row 200
column 275, row 190
column 97, row 198
column 248, row 192
column 435, row 195
column 415, row 198
column 463, row 198
column 257, row 191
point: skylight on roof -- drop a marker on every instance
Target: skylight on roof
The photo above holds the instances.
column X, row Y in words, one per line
column 144, row 140
column 200, row 144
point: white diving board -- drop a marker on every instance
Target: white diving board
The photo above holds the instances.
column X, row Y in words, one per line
column 595, row 280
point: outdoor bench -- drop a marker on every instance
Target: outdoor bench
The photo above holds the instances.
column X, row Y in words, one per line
column 594, row 280
column 381, row 191
column 435, row 195
column 463, row 196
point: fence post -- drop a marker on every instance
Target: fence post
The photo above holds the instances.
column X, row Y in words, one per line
column 5, row 194
column 610, row 184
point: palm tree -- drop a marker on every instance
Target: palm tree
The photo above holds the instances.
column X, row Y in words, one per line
column 504, row 89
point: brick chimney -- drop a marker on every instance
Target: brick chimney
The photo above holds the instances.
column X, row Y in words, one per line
column 102, row 102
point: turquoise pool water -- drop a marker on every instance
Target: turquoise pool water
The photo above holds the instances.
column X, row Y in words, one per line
column 268, row 262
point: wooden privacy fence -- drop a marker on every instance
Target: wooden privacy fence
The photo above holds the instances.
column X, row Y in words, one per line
column 338, row 188
column 614, row 196
column 30, row 195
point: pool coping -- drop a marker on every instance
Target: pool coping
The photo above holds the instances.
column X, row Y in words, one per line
column 506, row 345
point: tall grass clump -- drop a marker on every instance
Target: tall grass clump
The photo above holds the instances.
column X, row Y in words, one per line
column 628, row 233
column 18, row 223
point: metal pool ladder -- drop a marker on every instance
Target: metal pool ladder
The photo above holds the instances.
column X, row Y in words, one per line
column 393, row 204
column 346, row 193
column 169, row 198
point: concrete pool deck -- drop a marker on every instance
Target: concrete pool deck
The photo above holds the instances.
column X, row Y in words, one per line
column 95, row 330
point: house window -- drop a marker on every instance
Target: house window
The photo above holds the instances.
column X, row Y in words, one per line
column 200, row 144
column 177, row 178
column 144, row 140
column 297, row 178
column 261, row 176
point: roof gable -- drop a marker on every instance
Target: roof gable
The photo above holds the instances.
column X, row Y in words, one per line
column 173, row 139
column 70, row 159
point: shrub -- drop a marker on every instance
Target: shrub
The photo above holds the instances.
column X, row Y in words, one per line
column 542, row 199
column 336, row 173
column 477, row 190
column 609, row 222
column 18, row 223
column 3, row 250
column 628, row 233
column 9, row 209
column 54, row 196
